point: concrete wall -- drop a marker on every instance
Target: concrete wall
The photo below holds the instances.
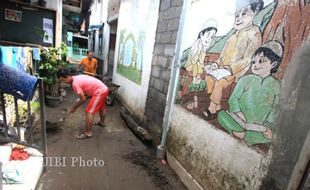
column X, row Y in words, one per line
column 113, row 9
column 133, row 54
column 216, row 157
column 99, row 16
column 291, row 152
column 113, row 12
column 212, row 157
column 164, row 51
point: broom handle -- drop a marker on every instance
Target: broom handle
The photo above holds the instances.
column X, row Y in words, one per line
column 63, row 118
column 88, row 73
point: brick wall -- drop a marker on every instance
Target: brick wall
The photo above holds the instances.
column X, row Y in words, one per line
column 164, row 50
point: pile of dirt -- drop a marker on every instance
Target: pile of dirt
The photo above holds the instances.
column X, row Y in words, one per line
column 52, row 127
column 147, row 162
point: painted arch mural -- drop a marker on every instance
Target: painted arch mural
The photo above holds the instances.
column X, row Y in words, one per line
column 233, row 61
column 136, row 17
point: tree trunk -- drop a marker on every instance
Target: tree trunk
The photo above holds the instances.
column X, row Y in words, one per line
column 54, row 90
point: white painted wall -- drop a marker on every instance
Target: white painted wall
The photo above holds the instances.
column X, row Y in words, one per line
column 130, row 93
column 96, row 19
column 96, row 13
column 221, row 151
column 56, row 5
column 99, row 15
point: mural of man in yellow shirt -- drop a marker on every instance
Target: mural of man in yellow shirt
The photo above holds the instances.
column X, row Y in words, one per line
column 236, row 55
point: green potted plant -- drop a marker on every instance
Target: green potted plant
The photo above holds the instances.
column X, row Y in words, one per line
column 53, row 59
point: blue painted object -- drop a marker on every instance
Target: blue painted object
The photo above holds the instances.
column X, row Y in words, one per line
column 17, row 83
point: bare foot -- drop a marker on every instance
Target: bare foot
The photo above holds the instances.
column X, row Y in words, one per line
column 190, row 105
column 214, row 107
column 180, row 94
column 239, row 135
column 218, row 107
column 196, row 101
column 185, row 91
column 268, row 133
column 101, row 124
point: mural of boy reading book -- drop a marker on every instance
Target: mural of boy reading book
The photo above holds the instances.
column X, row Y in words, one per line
column 217, row 73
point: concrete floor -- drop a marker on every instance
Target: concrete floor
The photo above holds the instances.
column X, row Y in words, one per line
column 128, row 163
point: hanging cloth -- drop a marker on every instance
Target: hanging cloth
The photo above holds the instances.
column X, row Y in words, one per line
column 7, row 56
column 20, row 58
column 36, row 54
column 28, row 57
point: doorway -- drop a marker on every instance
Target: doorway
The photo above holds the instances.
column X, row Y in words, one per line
column 112, row 44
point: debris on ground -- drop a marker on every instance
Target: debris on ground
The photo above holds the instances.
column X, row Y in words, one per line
column 52, row 127
column 147, row 162
column 137, row 129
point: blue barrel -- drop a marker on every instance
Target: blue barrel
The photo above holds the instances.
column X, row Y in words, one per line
column 17, row 83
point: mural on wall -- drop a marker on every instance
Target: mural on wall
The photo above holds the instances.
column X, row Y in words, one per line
column 132, row 40
column 230, row 75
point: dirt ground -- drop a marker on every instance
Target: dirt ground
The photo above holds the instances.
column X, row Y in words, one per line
column 113, row 159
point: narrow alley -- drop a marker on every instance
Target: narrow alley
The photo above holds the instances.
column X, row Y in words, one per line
column 209, row 94
column 128, row 163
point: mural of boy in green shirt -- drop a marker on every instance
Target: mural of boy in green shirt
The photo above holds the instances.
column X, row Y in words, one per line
column 252, row 104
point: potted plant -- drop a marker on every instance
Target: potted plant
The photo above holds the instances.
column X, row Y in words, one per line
column 53, row 59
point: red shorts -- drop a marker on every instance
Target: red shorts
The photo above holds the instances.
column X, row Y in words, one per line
column 97, row 103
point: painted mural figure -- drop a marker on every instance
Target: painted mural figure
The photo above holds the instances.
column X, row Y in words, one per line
column 194, row 66
column 252, row 104
column 235, row 58
column 242, row 69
